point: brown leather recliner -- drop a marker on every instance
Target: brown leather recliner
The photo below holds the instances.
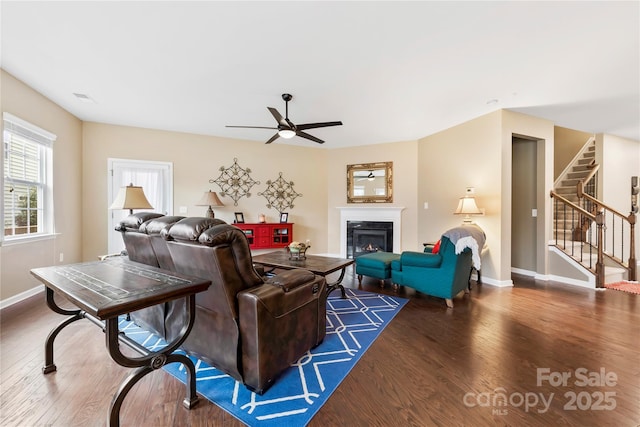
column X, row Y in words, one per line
column 144, row 244
column 245, row 326
column 136, row 243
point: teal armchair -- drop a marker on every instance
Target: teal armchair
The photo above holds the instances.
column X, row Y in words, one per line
column 442, row 275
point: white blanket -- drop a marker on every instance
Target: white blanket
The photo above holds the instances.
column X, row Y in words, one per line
column 468, row 236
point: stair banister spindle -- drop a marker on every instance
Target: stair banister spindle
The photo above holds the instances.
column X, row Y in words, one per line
column 555, row 218
column 564, row 235
column 600, row 261
column 632, row 247
column 580, row 189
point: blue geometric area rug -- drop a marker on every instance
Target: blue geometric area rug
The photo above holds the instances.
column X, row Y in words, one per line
column 353, row 324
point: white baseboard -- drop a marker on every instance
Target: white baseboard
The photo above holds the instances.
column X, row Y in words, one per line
column 21, row 297
column 574, row 282
column 523, row 272
column 552, row 277
column 498, row 283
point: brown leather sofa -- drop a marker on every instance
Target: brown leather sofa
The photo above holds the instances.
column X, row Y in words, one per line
column 250, row 327
column 144, row 244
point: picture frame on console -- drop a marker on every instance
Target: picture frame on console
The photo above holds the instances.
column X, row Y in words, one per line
column 284, row 217
column 239, row 218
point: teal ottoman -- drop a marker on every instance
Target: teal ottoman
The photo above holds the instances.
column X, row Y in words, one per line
column 375, row 264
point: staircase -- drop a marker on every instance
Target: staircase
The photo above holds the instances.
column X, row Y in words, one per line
column 579, row 169
column 581, row 222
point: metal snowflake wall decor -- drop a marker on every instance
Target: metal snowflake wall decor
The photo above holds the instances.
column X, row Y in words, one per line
column 280, row 194
column 235, row 182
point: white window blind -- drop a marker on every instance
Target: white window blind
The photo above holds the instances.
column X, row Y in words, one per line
column 27, row 206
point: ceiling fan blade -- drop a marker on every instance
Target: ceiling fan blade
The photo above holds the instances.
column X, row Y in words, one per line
column 310, row 137
column 273, row 138
column 290, row 123
column 276, row 115
column 318, row 125
column 251, row 127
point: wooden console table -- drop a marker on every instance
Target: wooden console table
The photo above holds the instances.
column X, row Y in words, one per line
column 104, row 290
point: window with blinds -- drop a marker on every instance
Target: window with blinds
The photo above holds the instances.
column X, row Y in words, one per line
column 27, row 185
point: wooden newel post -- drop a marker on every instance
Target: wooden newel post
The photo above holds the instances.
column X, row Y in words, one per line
column 633, row 274
column 580, row 189
column 600, row 261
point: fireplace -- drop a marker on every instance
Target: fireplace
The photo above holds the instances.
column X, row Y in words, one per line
column 392, row 214
column 364, row 237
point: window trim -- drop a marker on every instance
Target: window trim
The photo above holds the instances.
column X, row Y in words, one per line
column 45, row 139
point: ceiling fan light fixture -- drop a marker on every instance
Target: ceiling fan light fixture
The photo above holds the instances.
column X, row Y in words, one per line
column 286, row 133
column 286, row 129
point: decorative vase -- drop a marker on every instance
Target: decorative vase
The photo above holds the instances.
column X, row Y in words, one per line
column 262, row 219
column 297, row 252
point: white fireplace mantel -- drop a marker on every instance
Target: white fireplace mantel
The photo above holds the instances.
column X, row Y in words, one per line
column 371, row 213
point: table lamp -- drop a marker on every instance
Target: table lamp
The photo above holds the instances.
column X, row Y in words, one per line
column 210, row 198
column 131, row 197
column 467, row 207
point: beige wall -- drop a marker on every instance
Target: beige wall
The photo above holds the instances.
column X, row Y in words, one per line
column 467, row 155
column 405, row 177
column 620, row 160
column 568, row 143
column 196, row 159
column 517, row 124
column 17, row 259
column 478, row 154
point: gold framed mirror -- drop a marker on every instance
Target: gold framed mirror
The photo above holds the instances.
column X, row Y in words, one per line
column 370, row 183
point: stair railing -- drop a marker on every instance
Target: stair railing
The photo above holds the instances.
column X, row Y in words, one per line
column 590, row 182
column 615, row 224
column 588, row 185
column 611, row 228
column 580, row 246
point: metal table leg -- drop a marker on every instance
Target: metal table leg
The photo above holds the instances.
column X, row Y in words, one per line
column 337, row 284
column 150, row 362
column 49, row 365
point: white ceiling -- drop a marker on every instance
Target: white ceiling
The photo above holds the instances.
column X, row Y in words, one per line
column 391, row 71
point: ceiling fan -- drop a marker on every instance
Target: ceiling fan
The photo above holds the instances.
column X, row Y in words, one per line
column 369, row 177
column 286, row 128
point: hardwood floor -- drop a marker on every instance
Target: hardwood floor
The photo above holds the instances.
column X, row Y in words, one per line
column 430, row 367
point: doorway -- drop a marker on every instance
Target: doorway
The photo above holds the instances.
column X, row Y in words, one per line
column 524, row 207
column 156, row 180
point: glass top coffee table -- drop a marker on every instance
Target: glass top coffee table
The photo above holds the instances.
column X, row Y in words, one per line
column 320, row 265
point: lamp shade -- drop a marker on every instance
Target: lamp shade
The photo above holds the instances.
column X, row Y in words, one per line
column 131, row 197
column 467, row 206
column 210, row 198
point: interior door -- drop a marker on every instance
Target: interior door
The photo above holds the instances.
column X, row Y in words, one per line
column 524, row 206
column 156, row 180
